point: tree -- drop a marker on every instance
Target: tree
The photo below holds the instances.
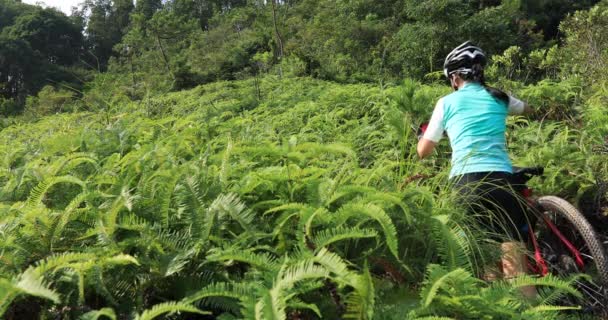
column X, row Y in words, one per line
column 36, row 49
column 107, row 24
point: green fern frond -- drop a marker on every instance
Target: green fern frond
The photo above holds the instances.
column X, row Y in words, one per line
column 61, row 260
column 315, row 149
column 349, row 190
column 27, row 283
column 168, row 307
column 225, row 166
column 173, row 262
column 67, row 215
column 37, row 194
column 438, row 278
column 297, row 304
column 360, row 303
column 334, row 264
column 558, row 286
column 452, row 243
column 263, row 261
column 120, row 259
column 166, row 191
column 376, row 213
column 390, row 199
column 326, row 237
column 222, row 289
column 273, row 305
column 71, row 161
column 96, row 314
column 551, row 309
column 287, row 207
column 230, row 205
column 109, row 220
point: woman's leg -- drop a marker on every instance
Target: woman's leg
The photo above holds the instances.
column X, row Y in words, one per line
column 503, row 213
column 514, row 264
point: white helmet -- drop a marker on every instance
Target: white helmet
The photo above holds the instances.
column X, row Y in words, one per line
column 462, row 59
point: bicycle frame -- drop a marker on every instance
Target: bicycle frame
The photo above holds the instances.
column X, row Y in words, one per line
column 541, row 265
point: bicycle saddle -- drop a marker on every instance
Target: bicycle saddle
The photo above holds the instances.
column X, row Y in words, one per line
column 534, row 171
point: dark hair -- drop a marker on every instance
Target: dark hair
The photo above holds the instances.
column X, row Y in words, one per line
column 476, row 75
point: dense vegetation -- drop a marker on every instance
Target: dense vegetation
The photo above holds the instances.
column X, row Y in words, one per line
column 284, row 183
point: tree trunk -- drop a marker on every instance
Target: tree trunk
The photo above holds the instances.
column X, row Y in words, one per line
column 162, row 51
column 278, row 34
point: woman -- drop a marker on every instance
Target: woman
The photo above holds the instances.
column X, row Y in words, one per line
column 474, row 117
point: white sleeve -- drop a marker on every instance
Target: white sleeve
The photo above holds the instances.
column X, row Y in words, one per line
column 516, row 106
column 434, row 131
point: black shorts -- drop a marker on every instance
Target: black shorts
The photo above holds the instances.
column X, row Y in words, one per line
column 490, row 196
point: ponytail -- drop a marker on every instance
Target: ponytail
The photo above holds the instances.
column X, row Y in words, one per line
column 476, row 75
column 497, row 94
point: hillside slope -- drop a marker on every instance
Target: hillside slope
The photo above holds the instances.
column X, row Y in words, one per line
column 280, row 198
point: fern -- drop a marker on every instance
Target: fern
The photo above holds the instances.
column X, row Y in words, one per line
column 452, row 243
column 262, row 261
column 273, row 304
column 438, row 278
column 360, row 303
column 168, row 307
column 230, row 290
column 230, row 205
column 326, row 237
column 374, row 212
column 27, row 283
column 38, row 192
column 96, row 314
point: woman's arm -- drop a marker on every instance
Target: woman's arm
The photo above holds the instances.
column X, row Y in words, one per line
column 517, row 106
column 433, row 132
column 425, row 147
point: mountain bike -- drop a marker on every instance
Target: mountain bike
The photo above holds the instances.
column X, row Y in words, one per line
column 562, row 241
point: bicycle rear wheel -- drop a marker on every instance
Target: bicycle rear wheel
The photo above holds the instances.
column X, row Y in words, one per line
column 579, row 231
column 573, row 225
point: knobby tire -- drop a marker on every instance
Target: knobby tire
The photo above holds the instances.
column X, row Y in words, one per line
column 564, row 209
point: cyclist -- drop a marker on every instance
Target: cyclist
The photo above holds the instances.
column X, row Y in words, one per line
column 474, row 117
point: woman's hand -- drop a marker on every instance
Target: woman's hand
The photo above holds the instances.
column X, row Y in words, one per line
column 425, row 147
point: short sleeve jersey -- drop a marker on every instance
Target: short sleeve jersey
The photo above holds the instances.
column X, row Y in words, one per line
column 475, row 122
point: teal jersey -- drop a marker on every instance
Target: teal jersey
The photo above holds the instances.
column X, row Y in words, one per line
column 475, row 122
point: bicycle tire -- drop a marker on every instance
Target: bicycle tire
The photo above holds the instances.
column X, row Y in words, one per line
column 582, row 226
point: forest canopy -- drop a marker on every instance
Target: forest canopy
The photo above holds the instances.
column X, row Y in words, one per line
column 159, row 46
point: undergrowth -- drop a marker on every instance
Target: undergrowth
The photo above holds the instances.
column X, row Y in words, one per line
column 297, row 199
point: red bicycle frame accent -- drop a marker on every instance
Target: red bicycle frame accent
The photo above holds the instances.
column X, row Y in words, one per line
column 541, row 264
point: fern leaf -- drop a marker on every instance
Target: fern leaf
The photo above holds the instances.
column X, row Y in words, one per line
column 360, row 302
column 263, row 261
column 452, row 243
column 37, row 194
column 225, row 166
column 61, row 260
column 437, row 278
column 376, row 213
column 273, row 305
column 559, row 286
column 28, row 283
column 231, row 205
column 297, row 304
column 221, row 289
column 168, row 307
column 545, row 308
column 96, row 314
column 326, row 237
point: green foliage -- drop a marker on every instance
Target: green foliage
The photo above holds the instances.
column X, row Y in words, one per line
column 302, row 203
column 49, row 101
column 278, row 196
column 37, row 46
column 457, row 293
